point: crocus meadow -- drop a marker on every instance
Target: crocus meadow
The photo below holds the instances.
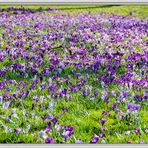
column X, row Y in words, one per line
column 73, row 78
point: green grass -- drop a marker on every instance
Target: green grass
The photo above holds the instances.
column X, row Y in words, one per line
column 137, row 10
column 86, row 115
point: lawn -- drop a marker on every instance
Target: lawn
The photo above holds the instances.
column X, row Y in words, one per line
column 73, row 74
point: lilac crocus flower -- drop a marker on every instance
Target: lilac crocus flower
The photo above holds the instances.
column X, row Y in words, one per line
column 6, row 118
column 78, row 141
column 6, row 105
column 127, row 133
column 26, row 129
column 41, row 133
column 1, row 99
column 51, row 104
column 141, row 141
column 49, row 116
column 58, row 127
column 17, row 130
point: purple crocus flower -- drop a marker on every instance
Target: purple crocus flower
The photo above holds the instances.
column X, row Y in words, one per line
column 17, row 130
column 49, row 140
column 5, row 96
column 136, row 107
column 44, row 118
column 43, row 86
column 65, row 110
column 136, row 130
column 48, row 128
column 94, row 139
column 128, row 142
column 129, row 66
column 2, row 85
column 32, row 107
column 67, row 134
column 49, row 124
column 113, row 106
column 27, row 93
column 103, row 121
column 54, row 120
column 95, row 94
column 102, row 135
column 70, row 128
column 63, row 127
column 133, row 107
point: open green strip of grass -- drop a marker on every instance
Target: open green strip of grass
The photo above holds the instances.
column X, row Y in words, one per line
column 136, row 10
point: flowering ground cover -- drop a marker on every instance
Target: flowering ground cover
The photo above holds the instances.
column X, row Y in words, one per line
column 73, row 76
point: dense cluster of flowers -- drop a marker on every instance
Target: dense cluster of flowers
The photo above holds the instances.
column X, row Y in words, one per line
column 23, row 10
column 84, row 59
